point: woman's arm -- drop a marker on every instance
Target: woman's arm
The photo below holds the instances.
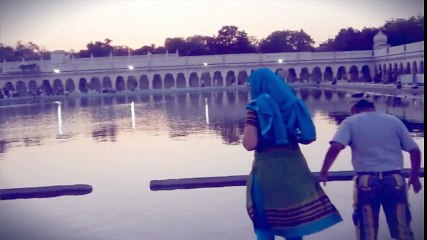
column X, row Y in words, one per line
column 250, row 137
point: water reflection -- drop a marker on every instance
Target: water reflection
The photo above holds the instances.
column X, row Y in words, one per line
column 338, row 117
column 3, row 146
column 207, row 111
column 59, row 118
column 180, row 114
column 171, row 138
column 132, row 110
column 106, row 133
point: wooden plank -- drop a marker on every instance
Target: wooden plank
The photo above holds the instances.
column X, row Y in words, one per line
column 239, row 180
column 44, row 192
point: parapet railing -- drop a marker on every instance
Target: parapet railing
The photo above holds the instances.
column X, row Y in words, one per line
column 240, row 180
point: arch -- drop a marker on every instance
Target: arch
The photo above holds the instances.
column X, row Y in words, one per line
column 384, row 73
column 366, row 73
column 342, row 73
column 8, row 89
column 292, row 75
column 378, row 74
column 58, row 87
column 317, row 75
column 21, row 88
column 304, row 75
column 46, row 87
column 120, row 83
column 70, row 86
column 107, row 85
column 422, row 67
column 169, row 81
column 391, row 76
column 9, row 86
column 218, row 80
column 83, row 85
column 194, row 80
column 157, row 81
column 408, row 68
column 354, row 73
column 281, row 73
column 181, row 81
column 143, row 82
column 230, row 79
column 414, row 67
column 206, row 79
column 95, row 85
column 401, row 69
column 328, row 75
column 32, row 88
column 132, row 84
column 242, row 78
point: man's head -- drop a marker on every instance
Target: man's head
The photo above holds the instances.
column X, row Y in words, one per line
column 363, row 105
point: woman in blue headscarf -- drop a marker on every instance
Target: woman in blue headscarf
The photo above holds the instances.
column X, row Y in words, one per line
column 283, row 197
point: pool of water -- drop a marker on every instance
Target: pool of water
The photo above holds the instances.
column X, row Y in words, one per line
column 119, row 144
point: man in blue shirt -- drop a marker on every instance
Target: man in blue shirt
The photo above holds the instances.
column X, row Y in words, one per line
column 376, row 141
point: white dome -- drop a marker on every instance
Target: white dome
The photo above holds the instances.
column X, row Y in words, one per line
column 380, row 40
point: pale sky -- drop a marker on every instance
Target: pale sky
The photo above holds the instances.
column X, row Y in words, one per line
column 71, row 24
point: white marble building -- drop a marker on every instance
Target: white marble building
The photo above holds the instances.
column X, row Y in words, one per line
column 64, row 73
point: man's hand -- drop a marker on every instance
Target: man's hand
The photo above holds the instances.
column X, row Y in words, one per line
column 414, row 179
column 416, row 184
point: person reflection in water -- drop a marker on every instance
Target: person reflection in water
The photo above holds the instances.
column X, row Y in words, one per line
column 283, row 197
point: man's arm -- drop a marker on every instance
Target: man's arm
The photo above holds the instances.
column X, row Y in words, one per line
column 414, row 179
column 332, row 153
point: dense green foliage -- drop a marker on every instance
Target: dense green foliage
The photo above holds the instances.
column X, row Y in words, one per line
column 232, row 40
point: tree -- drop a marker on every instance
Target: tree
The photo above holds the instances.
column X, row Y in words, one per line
column 275, row 42
column 350, row 39
column 231, row 40
column 399, row 32
column 97, row 49
column 286, row 41
column 301, row 41
column 28, row 51
column 120, row 51
column 402, row 31
column 7, row 53
column 159, row 50
column 176, row 44
column 199, row 45
column 144, row 50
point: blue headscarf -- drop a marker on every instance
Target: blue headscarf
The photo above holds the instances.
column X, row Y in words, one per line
column 280, row 113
